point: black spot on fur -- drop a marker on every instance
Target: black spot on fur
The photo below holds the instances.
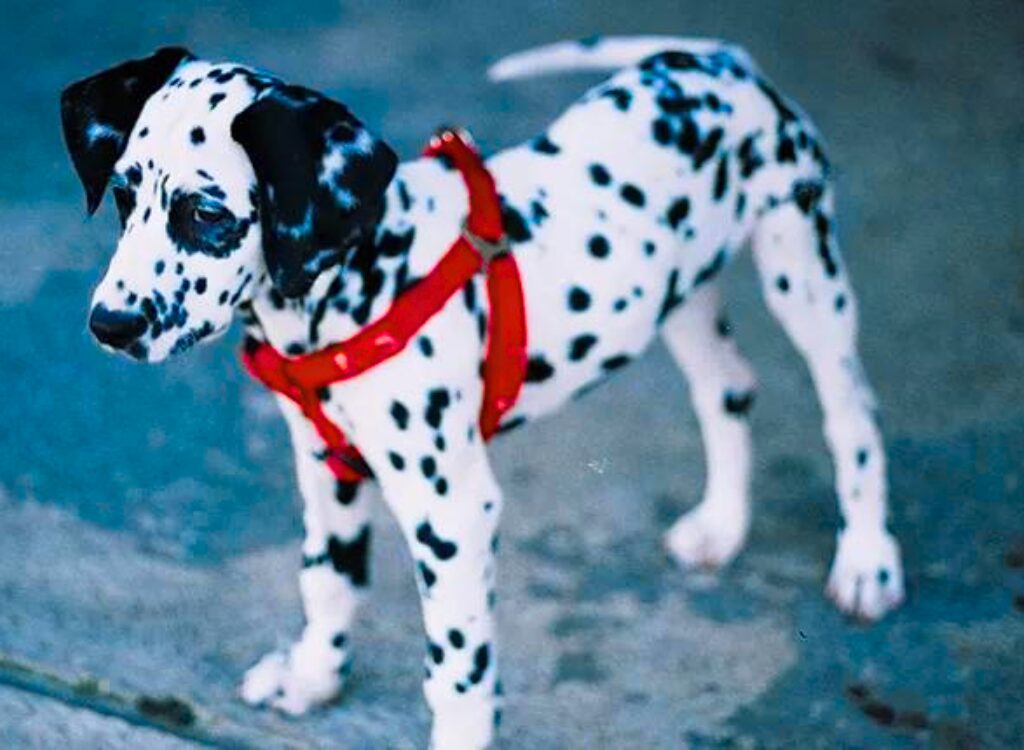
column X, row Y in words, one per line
column 427, row 574
column 579, row 299
column 345, row 492
column 197, row 136
column 400, row 414
column 750, row 159
column 721, row 179
column 442, row 549
column 580, row 345
column 481, row 660
column 347, row 558
column 677, row 212
column 456, row 638
column 396, row 460
column 633, row 195
column 707, row 148
column 403, row 195
column 782, row 283
column 620, row 96
column 673, row 60
column 393, row 244
column 807, row 193
column 614, row 363
column 824, row 229
column 216, row 99
column 469, row 295
column 543, row 145
column 598, row 246
column 511, row 424
column 661, row 131
column 600, row 175
column 515, row 226
column 537, row 212
column 438, row 400
column 738, row 404
column 783, row 110
column 711, row 270
column 785, row 152
column 688, row 137
column 538, row 369
column 673, row 297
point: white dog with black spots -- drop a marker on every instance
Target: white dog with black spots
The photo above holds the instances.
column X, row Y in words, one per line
column 239, row 193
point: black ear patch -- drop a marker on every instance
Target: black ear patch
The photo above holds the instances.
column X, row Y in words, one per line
column 98, row 113
column 321, row 176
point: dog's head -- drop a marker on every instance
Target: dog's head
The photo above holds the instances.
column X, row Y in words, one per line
column 225, row 180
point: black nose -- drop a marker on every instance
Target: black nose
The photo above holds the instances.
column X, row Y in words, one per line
column 116, row 328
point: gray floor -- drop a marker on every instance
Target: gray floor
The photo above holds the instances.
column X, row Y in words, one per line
column 148, row 518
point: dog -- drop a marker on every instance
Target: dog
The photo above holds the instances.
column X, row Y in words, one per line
column 240, row 194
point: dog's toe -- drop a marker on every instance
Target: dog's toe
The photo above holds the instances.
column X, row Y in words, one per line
column 703, row 540
column 866, row 580
column 264, row 679
column 292, row 682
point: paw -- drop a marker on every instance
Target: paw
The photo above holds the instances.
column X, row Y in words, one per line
column 294, row 681
column 867, row 577
column 702, row 539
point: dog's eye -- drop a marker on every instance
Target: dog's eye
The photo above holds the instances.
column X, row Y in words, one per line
column 208, row 215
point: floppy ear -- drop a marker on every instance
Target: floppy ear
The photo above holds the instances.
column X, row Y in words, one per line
column 98, row 113
column 321, row 178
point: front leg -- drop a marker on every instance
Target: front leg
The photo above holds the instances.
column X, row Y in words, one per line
column 333, row 576
column 448, row 505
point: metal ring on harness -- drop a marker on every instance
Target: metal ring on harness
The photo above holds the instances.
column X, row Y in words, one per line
column 488, row 249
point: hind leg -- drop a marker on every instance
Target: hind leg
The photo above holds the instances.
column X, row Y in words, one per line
column 808, row 292
column 722, row 390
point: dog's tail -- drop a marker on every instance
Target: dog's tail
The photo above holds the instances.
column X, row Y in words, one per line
column 604, row 53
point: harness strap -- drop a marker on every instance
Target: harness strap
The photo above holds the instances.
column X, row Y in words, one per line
column 481, row 246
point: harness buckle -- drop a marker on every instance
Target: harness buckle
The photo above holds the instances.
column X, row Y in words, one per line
column 488, row 249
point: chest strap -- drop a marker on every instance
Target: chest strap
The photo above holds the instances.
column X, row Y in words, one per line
column 481, row 247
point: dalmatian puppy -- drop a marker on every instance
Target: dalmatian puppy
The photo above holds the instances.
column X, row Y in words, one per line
column 241, row 195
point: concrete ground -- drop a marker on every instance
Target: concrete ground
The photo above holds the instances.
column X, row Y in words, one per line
column 149, row 521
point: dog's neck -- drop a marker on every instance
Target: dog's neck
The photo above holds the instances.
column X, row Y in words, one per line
column 424, row 208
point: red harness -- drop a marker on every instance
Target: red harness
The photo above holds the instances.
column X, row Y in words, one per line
column 481, row 246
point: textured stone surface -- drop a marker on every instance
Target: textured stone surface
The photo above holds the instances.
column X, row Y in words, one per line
column 148, row 515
